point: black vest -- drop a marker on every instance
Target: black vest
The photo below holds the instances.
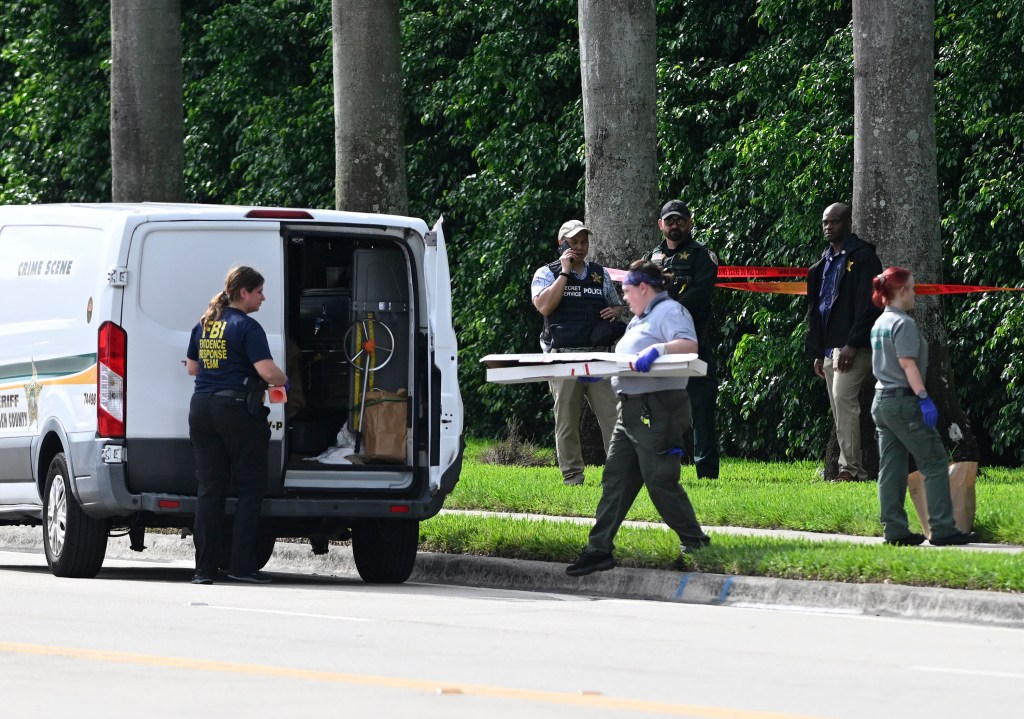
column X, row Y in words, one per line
column 574, row 320
column 681, row 265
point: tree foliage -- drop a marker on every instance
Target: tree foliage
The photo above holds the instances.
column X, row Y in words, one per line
column 980, row 133
column 259, row 124
column 755, row 123
column 54, row 106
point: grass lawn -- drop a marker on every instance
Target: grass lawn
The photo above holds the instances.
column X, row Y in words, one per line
column 749, row 494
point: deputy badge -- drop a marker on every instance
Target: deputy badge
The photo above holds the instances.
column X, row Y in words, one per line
column 685, row 256
column 32, row 390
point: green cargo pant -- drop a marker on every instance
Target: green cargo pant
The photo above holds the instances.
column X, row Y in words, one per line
column 902, row 432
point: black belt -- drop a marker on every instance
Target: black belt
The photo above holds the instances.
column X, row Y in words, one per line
column 898, row 392
column 624, row 396
column 233, row 393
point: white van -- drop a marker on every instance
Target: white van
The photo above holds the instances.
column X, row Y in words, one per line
column 97, row 304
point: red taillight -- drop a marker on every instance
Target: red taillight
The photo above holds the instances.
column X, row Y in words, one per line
column 112, row 350
column 270, row 214
column 399, row 508
column 168, row 504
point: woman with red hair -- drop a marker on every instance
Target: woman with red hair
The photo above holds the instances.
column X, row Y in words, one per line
column 906, row 417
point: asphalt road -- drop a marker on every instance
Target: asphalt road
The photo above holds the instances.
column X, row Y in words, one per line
column 140, row 639
column 881, row 600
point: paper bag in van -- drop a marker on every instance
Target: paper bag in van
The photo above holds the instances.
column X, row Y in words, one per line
column 385, row 420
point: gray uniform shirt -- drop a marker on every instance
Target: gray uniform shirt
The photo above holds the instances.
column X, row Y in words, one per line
column 895, row 335
column 665, row 321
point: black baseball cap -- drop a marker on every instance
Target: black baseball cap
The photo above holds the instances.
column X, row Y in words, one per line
column 675, row 207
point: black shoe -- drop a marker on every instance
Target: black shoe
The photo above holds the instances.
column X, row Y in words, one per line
column 692, row 545
column 911, row 540
column 957, row 539
column 845, row 476
column 686, row 550
column 251, row 578
column 589, row 563
column 202, row 577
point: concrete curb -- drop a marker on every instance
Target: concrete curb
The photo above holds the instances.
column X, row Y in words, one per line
column 953, row 605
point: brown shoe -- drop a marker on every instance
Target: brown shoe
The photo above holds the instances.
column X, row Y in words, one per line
column 844, row 476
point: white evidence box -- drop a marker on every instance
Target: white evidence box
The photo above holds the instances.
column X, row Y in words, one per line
column 539, row 367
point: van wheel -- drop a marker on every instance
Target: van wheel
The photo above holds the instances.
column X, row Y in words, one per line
column 74, row 542
column 265, row 542
column 385, row 550
column 264, row 548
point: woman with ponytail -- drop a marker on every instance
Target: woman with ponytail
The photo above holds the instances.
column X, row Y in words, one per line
column 906, row 417
column 229, row 356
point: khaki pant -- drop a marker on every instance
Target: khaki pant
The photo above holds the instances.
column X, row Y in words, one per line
column 568, row 396
column 844, row 396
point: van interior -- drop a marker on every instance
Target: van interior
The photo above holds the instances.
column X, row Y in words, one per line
column 349, row 335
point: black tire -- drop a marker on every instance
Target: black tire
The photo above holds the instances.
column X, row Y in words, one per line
column 385, row 549
column 264, row 549
column 74, row 542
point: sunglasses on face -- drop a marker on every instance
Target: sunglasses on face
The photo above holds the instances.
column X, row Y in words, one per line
column 674, row 221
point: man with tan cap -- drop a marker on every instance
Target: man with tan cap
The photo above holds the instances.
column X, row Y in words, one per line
column 582, row 311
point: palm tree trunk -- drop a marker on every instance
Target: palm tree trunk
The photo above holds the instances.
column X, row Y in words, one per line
column 368, row 110
column 618, row 56
column 146, row 101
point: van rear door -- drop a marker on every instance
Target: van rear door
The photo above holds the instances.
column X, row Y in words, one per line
column 446, row 401
column 174, row 269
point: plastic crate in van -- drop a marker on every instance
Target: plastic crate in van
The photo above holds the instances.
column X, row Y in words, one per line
column 324, row 315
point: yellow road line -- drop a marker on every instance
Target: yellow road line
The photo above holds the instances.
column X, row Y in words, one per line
column 596, row 701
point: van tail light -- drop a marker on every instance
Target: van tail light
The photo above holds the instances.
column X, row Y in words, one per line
column 110, row 381
column 277, row 214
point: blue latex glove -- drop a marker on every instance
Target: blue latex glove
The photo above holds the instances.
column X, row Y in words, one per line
column 929, row 411
column 588, row 379
column 677, row 451
column 645, row 359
